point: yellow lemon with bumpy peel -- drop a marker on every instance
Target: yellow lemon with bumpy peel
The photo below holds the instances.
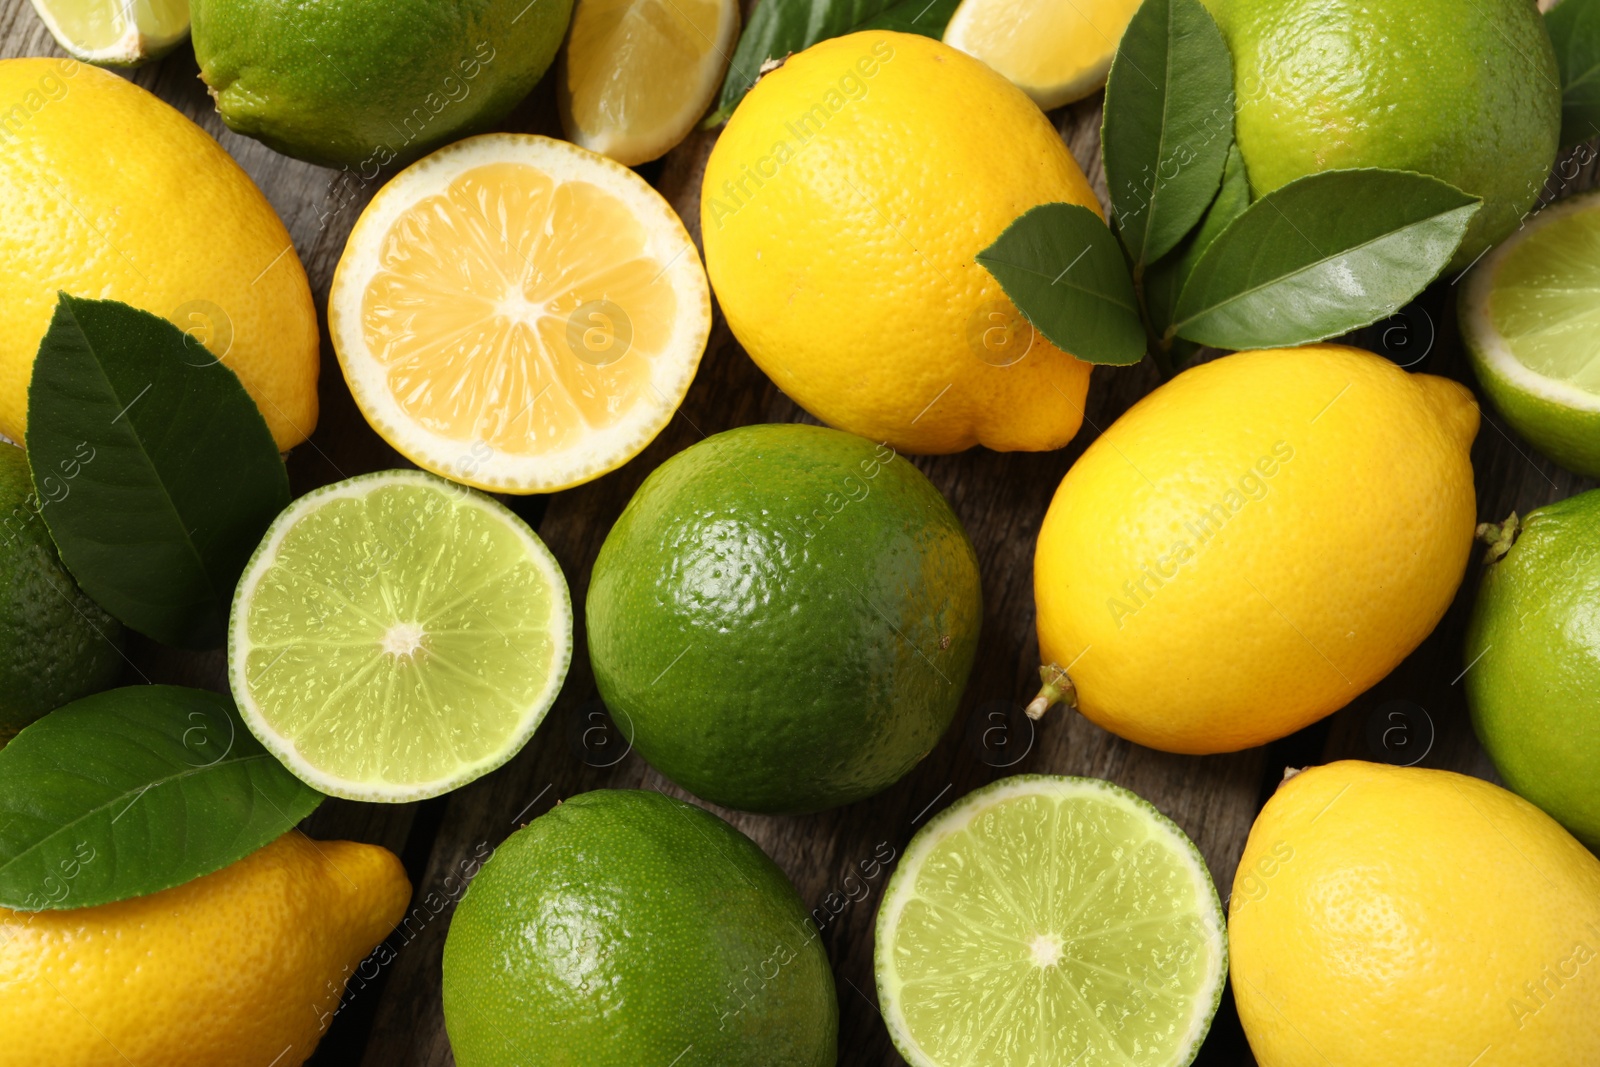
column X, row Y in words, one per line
column 1395, row 915
column 842, row 213
column 1253, row 545
column 242, row 968
column 107, row 192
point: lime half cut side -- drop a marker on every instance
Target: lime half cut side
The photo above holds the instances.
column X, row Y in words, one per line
column 396, row 636
column 1044, row 920
column 1530, row 316
column 116, row 33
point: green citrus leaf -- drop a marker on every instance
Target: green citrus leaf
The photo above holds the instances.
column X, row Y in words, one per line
column 132, row 791
column 175, row 474
column 1062, row 268
column 1163, row 281
column 1574, row 27
column 779, row 27
column 1323, row 255
column 1168, row 124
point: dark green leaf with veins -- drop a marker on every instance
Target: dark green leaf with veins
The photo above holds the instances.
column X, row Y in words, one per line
column 1321, row 256
column 132, row 791
column 780, row 27
column 1168, row 125
column 184, row 478
column 1574, row 27
column 1163, row 281
column 1062, row 268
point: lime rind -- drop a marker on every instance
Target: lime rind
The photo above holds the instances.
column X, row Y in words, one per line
column 359, row 663
column 139, row 30
column 1558, row 415
column 990, row 908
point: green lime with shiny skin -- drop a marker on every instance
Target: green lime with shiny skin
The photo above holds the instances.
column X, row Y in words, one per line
column 626, row 928
column 363, row 84
column 784, row 617
column 59, row 645
column 1533, row 660
column 1466, row 92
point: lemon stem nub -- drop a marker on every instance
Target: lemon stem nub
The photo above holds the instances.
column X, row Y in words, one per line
column 1057, row 689
column 1499, row 536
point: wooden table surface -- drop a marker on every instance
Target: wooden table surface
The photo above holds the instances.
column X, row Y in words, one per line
column 391, row 1015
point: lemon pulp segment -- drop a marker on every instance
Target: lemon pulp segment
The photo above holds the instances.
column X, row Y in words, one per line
column 638, row 74
column 1055, row 52
column 116, row 31
column 518, row 313
column 469, row 312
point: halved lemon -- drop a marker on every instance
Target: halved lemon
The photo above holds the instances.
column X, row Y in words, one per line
column 518, row 313
column 116, row 33
column 1056, row 52
column 638, row 74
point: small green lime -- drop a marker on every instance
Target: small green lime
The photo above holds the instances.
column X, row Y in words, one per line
column 1533, row 661
column 1467, row 92
column 625, row 928
column 361, row 84
column 1529, row 315
column 1045, row 920
column 784, row 617
column 59, row 645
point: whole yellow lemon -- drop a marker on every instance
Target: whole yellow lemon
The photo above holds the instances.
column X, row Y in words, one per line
column 1254, row 544
column 107, row 192
column 242, row 968
column 1389, row 916
column 842, row 210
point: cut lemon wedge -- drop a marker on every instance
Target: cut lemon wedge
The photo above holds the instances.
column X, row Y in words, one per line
column 518, row 313
column 116, row 33
column 1055, row 52
column 638, row 74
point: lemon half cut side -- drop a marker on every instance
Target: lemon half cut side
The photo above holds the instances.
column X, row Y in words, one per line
column 518, row 313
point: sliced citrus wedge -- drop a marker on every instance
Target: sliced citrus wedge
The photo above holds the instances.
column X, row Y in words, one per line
column 638, row 74
column 1055, row 52
column 518, row 313
column 1530, row 315
column 116, row 33
column 1049, row 920
column 396, row 636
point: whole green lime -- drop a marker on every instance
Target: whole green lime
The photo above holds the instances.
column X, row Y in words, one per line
column 361, row 84
column 784, row 617
column 1466, row 92
column 625, row 928
column 1533, row 655
column 59, row 645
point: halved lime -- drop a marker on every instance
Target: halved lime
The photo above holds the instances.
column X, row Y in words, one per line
column 1044, row 920
column 1530, row 316
column 396, row 636
column 116, row 33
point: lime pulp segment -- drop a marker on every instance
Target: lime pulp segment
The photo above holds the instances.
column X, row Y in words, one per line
column 1545, row 301
column 396, row 636
column 1045, row 921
